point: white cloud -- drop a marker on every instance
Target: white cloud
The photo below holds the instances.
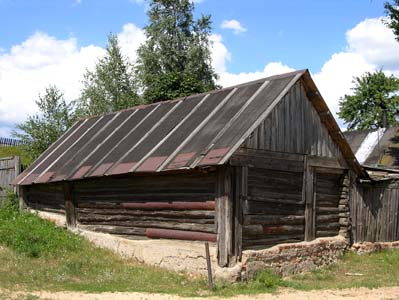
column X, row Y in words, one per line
column 130, row 39
column 26, row 69
column 233, row 25
column 219, row 53
column 273, row 68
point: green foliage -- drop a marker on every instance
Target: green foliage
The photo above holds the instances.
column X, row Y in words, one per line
column 111, row 86
column 392, row 12
column 266, row 279
column 175, row 60
column 372, row 94
column 31, row 236
column 39, row 131
column 9, row 202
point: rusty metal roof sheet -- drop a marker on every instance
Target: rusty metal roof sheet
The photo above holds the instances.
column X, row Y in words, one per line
column 195, row 131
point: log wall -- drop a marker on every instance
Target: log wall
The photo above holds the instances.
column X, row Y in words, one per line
column 139, row 206
column 46, row 197
column 374, row 210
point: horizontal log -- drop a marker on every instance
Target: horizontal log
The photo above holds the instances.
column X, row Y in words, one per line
column 276, row 200
column 323, row 233
column 157, row 233
column 264, row 154
column 327, row 197
column 210, row 228
column 327, row 218
column 207, row 205
column 270, row 164
column 263, row 230
column 323, row 203
column 333, row 226
column 119, row 230
column 274, row 220
column 327, row 210
column 97, row 217
column 134, row 197
column 256, row 207
column 195, row 214
column 272, row 241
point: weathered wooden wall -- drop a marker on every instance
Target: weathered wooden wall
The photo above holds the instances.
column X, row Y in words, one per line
column 133, row 205
column 294, row 127
column 45, row 197
column 374, row 210
column 9, row 168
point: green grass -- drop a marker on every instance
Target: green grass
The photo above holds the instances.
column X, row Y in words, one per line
column 366, row 270
column 36, row 255
column 15, row 151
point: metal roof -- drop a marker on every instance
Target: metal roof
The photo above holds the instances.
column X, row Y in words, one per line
column 382, row 146
column 195, row 131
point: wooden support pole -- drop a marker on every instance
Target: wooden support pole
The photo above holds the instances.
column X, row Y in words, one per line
column 309, row 199
column 22, row 195
column 70, row 209
column 224, row 212
column 208, row 266
column 17, row 170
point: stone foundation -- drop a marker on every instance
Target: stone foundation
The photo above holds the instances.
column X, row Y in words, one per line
column 367, row 247
column 288, row 259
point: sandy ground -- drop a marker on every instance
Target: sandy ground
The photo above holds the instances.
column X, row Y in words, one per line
column 387, row 293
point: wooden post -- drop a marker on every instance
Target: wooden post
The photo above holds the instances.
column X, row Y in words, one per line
column 70, row 211
column 17, row 170
column 240, row 195
column 224, row 212
column 309, row 199
column 208, row 266
column 22, row 194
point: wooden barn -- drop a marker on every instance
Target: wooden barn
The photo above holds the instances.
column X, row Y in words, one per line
column 245, row 167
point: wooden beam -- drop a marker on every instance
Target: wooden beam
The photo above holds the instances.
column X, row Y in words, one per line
column 308, row 194
column 224, row 213
column 22, row 195
column 326, row 162
column 240, row 188
column 70, row 208
column 17, row 169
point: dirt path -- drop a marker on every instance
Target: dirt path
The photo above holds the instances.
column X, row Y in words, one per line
column 387, row 293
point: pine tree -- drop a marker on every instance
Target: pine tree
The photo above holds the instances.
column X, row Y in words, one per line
column 111, row 86
column 175, row 61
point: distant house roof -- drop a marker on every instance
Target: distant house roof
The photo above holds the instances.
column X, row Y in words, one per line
column 375, row 148
column 195, row 131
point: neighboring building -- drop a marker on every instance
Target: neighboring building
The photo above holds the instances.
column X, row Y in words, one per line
column 375, row 203
column 246, row 167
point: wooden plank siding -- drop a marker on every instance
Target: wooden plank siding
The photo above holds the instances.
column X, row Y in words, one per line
column 374, row 212
column 294, row 126
column 130, row 205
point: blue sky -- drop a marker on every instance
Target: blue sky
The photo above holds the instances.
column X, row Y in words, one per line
column 53, row 42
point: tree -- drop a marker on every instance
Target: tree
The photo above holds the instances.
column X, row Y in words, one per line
column 392, row 12
column 40, row 130
column 373, row 93
column 111, row 86
column 175, row 60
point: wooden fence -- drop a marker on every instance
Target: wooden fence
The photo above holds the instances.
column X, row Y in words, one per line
column 374, row 212
column 10, row 167
column 4, row 142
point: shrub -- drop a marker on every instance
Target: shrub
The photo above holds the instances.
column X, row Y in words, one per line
column 267, row 278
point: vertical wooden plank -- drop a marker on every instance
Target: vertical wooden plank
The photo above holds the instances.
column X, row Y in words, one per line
column 224, row 210
column 308, row 197
column 70, row 210
column 17, row 170
column 241, row 183
column 23, row 196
